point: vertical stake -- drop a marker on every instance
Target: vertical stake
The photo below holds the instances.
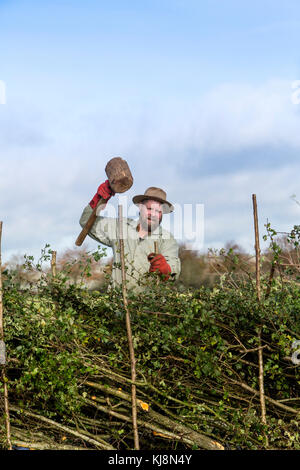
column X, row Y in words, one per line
column 3, row 358
column 260, row 353
column 53, row 263
column 129, row 332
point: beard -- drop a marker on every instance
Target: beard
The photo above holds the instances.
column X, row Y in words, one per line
column 150, row 224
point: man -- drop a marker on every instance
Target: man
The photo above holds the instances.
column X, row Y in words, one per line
column 139, row 236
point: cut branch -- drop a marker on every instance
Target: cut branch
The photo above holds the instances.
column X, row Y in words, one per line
column 183, row 434
column 269, row 399
column 260, row 353
column 183, row 431
column 95, row 442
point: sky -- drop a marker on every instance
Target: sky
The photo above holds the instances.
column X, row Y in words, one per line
column 200, row 97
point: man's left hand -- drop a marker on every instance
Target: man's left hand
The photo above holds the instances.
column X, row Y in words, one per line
column 159, row 264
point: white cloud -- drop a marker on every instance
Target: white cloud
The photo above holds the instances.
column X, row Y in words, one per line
column 228, row 203
column 233, row 117
column 46, row 183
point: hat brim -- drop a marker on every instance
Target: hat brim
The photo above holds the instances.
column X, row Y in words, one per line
column 167, row 206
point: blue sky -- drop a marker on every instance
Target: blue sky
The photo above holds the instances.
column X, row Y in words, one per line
column 195, row 95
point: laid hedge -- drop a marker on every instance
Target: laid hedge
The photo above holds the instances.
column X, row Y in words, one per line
column 197, row 366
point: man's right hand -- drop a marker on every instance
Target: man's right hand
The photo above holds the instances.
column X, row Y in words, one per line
column 104, row 191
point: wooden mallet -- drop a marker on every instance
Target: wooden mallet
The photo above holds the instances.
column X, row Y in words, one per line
column 120, row 180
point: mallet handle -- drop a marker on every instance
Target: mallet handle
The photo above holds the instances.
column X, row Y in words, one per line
column 89, row 224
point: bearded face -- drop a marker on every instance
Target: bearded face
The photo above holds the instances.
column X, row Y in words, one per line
column 150, row 215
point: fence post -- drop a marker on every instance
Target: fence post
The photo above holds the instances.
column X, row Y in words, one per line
column 129, row 333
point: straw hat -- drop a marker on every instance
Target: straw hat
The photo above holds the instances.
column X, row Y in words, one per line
column 155, row 194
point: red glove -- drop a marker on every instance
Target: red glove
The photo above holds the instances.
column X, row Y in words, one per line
column 103, row 191
column 159, row 264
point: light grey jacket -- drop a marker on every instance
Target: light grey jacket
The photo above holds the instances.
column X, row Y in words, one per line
column 136, row 250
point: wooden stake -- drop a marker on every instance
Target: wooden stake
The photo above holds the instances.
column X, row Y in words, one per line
column 260, row 353
column 257, row 248
column 261, row 380
column 156, row 252
column 3, row 358
column 129, row 333
column 53, row 263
